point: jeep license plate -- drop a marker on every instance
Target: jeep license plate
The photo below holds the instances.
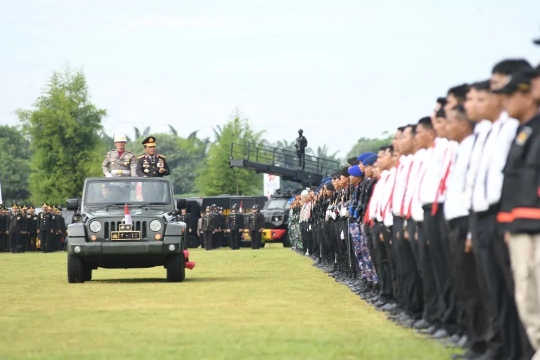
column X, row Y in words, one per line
column 125, row 235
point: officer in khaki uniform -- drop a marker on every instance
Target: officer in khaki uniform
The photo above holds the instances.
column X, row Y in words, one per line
column 122, row 162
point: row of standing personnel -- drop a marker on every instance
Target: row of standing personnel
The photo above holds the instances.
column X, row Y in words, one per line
column 213, row 227
column 21, row 229
column 441, row 229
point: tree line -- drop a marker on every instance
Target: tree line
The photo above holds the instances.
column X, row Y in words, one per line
column 60, row 142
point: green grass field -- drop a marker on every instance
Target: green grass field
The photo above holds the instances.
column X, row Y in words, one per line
column 266, row 304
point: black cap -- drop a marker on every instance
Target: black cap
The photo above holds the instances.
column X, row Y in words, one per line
column 149, row 141
column 352, row 161
column 255, row 206
column 517, row 82
column 330, row 187
column 344, row 172
column 233, row 207
column 300, row 131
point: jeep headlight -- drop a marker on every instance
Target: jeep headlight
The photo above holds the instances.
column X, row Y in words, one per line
column 95, row 226
column 155, row 225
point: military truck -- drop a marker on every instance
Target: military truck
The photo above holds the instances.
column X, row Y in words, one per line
column 276, row 218
column 126, row 223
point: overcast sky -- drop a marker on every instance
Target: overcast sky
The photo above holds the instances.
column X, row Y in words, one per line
column 339, row 70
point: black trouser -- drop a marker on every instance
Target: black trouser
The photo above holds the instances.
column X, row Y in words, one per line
column 440, row 255
column 469, row 298
column 235, row 239
column 45, row 239
column 431, row 296
column 207, row 238
column 217, row 239
column 3, row 242
column 383, row 259
column 397, row 238
column 505, row 336
column 301, row 159
column 255, row 239
column 14, row 241
column 33, row 240
column 413, row 293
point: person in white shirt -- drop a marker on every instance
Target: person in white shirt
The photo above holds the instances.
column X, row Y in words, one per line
column 507, row 338
column 410, row 281
column 460, row 129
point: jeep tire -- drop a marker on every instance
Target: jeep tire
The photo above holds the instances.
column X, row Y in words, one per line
column 285, row 241
column 76, row 269
column 88, row 273
column 176, row 268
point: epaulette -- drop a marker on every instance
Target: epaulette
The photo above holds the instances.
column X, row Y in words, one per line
column 141, row 156
column 161, row 156
column 128, row 152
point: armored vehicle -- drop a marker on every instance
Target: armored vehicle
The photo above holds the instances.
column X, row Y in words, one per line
column 126, row 223
column 276, row 218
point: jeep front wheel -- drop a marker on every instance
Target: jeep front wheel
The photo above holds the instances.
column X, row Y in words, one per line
column 76, row 269
column 176, row 268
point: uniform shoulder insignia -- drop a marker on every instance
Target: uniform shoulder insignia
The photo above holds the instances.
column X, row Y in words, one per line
column 140, row 157
column 129, row 152
column 162, row 156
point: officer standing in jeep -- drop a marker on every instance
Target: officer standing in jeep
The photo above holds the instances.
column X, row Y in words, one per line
column 121, row 161
column 151, row 164
column 235, row 226
column 301, row 145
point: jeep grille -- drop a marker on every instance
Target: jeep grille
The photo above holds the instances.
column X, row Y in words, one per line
column 114, row 225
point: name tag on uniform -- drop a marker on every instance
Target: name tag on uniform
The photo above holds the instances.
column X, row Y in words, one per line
column 523, row 135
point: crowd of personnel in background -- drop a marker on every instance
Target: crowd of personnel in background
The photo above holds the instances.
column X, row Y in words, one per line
column 218, row 230
column 441, row 228
column 22, row 230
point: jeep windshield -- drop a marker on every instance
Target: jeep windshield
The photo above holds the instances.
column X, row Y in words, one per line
column 118, row 193
column 276, row 204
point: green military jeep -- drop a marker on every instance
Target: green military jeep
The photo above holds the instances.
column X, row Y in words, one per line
column 126, row 223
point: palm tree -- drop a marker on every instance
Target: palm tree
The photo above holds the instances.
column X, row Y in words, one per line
column 138, row 133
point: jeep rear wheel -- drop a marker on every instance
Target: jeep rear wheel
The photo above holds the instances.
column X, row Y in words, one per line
column 176, row 268
column 76, row 269
column 285, row 241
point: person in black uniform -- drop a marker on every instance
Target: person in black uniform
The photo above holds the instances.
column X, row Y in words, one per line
column 3, row 230
column 14, row 225
column 235, row 226
column 45, row 228
column 220, row 228
column 185, row 217
column 60, row 227
column 32, row 228
column 256, row 226
column 208, row 228
column 151, row 164
column 301, row 145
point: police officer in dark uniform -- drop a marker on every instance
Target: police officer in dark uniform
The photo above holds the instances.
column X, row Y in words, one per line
column 60, row 227
column 3, row 230
column 256, row 225
column 14, row 225
column 235, row 226
column 220, row 228
column 151, row 164
column 31, row 223
column 45, row 229
column 301, row 145
column 208, row 228
column 185, row 217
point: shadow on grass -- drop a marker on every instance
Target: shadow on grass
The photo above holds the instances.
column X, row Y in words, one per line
column 163, row 280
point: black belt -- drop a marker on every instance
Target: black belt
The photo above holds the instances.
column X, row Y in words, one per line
column 491, row 211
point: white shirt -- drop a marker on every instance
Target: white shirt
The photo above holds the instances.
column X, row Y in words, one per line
column 402, row 175
column 455, row 204
column 386, row 199
column 488, row 182
column 437, row 165
column 505, row 138
column 411, row 181
column 482, row 129
column 419, row 171
column 374, row 203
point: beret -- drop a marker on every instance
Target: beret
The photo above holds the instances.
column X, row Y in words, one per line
column 355, row 171
column 370, row 160
column 363, row 157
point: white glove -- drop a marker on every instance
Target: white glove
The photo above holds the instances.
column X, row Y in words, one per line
column 108, row 174
column 309, row 228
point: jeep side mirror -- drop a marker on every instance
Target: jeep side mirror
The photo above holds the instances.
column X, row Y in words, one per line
column 181, row 204
column 72, row 204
